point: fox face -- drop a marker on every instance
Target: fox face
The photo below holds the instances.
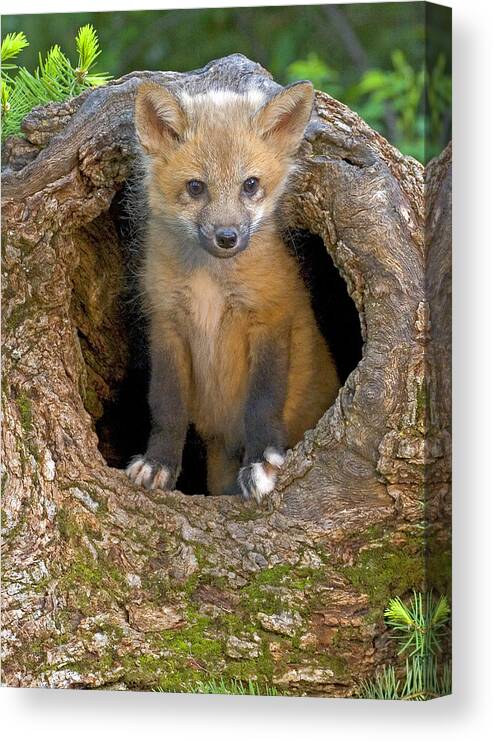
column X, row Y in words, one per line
column 217, row 163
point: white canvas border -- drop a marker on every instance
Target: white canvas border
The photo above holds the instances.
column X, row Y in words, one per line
column 44, row 714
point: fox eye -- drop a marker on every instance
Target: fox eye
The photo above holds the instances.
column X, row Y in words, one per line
column 250, row 186
column 195, row 187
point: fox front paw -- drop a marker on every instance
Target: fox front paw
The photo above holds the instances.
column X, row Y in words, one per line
column 148, row 473
column 259, row 479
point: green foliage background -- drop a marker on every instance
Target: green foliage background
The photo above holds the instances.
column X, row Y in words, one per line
column 369, row 56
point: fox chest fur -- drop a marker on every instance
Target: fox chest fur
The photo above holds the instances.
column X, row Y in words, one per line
column 216, row 333
column 218, row 318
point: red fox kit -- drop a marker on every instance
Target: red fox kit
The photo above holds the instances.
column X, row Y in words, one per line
column 235, row 348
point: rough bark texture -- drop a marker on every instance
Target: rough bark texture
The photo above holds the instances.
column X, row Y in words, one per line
column 106, row 585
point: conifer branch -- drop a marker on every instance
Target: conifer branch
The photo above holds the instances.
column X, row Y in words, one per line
column 55, row 78
column 419, row 628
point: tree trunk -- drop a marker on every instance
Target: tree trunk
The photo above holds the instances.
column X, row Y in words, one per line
column 107, row 585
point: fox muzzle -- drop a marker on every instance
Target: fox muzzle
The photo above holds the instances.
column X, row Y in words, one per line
column 224, row 242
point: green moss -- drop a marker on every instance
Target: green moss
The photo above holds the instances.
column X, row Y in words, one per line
column 145, row 670
column 168, row 674
column 199, row 648
column 236, row 624
column 196, row 639
column 24, row 406
column 195, row 653
column 110, row 572
column 33, row 655
column 373, row 533
column 92, row 402
column 256, row 596
column 384, row 570
column 276, row 575
column 192, row 582
column 67, row 525
column 85, row 574
column 25, row 412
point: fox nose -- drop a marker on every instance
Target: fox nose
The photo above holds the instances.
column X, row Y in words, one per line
column 226, row 237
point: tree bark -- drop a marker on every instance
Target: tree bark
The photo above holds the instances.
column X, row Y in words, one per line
column 107, row 585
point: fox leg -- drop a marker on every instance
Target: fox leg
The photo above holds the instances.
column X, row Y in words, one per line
column 265, row 436
column 168, row 401
column 222, row 469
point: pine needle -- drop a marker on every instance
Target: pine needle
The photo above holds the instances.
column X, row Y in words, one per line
column 87, row 45
column 419, row 628
column 12, row 45
column 55, row 78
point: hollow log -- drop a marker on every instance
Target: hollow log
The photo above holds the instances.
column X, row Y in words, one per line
column 106, row 585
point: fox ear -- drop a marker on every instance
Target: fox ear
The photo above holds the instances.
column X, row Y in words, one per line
column 284, row 117
column 159, row 118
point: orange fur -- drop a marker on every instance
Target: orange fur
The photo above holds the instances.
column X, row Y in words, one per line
column 219, row 318
column 217, row 311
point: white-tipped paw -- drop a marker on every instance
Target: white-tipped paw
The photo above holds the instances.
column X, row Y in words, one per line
column 259, row 479
column 149, row 474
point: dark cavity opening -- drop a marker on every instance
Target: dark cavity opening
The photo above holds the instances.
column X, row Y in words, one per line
column 335, row 311
column 123, row 424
